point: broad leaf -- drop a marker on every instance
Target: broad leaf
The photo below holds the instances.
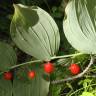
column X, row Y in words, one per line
column 35, row 87
column 7, row 56
column 80, row 25
column 5, row 88
column 35, row 32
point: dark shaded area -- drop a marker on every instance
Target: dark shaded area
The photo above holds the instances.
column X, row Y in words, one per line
column 7, row 10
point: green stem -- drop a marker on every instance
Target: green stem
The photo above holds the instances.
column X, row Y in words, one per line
column 36, row 61
column 81, row 89
column 66, row 56
column 47, row 6
column 19, row 65
column 30, row 62
column 77, row 76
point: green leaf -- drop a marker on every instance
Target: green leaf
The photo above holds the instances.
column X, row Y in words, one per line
column 80, row 25
column 87, row 94
column 35, row 87
column 56, row 90
column 7, row 56
column 35, row 32
column 5, row 88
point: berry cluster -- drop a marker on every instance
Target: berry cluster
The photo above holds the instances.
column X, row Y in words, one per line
column 74, row 68
column 48, row 68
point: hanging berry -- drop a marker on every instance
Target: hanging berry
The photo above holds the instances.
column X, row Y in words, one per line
column 74, row 69
column 48, row 67
column 8, row 75
column 31, row 74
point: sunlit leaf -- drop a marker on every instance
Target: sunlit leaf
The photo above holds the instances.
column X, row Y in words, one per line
column 87, row 94
column 35, row 32
column 80, row 25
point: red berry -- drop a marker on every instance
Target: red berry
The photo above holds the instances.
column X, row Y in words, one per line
column 8, row 75
column 74, row 68
column 31, row 74
column 48, row 67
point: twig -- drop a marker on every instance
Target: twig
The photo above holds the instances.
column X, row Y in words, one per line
column 92, row 76
column 63, row 5
column 20, row 65
column 48, row 6
column 52, row 58
column 66, row 56
column 26, row 63
column 37, row 61
column 75, row 77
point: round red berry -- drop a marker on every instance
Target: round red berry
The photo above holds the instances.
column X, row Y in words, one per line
column 74, row 68
column 48, row 67
column 8, row 75
column 31, row 74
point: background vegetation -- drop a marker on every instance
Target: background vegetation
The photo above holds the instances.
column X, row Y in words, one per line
column 85, row 86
